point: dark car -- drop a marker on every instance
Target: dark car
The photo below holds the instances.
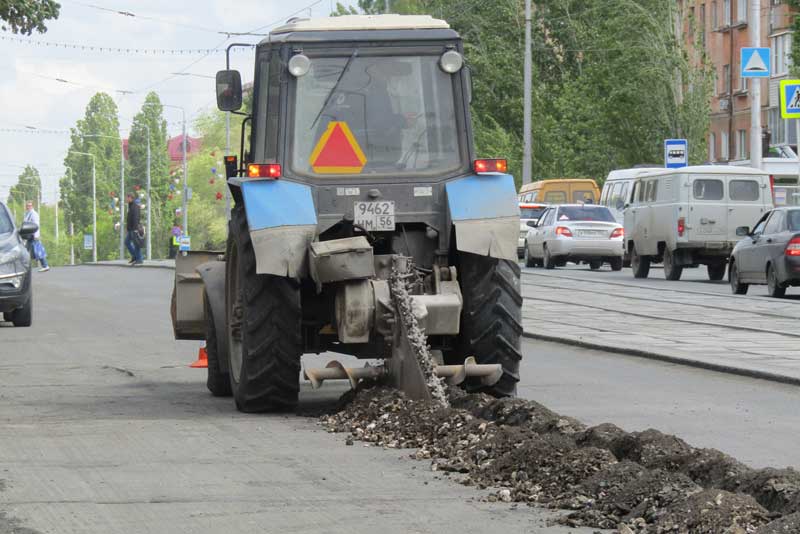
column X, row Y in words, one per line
column 769, row 254
column 16, row 301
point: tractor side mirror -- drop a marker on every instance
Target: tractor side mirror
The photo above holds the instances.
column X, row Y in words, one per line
column 28, row 229
column 743, row 231
column 229, row 90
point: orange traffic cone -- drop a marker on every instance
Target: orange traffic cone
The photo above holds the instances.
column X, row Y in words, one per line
column 202, row 359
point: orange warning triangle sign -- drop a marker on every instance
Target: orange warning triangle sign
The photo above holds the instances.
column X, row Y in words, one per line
column 337, row 151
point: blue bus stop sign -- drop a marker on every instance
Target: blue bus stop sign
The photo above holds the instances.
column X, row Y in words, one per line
column 676, row 153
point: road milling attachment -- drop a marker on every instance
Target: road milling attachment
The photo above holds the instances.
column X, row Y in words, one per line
column 412, row 367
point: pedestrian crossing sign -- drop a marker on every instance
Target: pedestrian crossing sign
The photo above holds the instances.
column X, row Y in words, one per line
column 790, row 99
column 755, row 62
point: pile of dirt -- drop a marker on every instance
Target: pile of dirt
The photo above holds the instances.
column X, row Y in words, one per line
column 711, row 511
column 608, row 478
column 789, row 524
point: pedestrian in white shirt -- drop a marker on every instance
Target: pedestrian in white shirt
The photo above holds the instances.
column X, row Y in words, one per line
column 39, row 252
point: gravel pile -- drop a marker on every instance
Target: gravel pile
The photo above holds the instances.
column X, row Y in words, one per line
column 639, row 482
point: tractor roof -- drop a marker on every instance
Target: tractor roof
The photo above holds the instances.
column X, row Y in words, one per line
column 362, row 22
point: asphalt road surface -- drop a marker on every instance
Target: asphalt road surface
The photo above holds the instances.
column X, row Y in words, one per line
column 104, row 429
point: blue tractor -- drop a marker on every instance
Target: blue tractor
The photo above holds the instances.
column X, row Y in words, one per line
column 362, row 219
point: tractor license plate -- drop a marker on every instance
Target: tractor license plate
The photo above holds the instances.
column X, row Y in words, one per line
column 375, row 216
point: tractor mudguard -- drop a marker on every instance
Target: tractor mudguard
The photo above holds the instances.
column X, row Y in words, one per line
column 485, row 212
column 282, row 222
column 213, row 275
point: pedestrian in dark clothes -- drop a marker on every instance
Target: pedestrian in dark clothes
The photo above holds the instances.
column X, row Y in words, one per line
column 131, row 227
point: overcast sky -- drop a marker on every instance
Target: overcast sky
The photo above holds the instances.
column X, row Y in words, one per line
column 31, row 97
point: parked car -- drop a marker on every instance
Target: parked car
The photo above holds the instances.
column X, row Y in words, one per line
column 769, row 253
column 528, row 215
column 578, row 233
column 560, row 191
column 16, row 300
column 688, row 217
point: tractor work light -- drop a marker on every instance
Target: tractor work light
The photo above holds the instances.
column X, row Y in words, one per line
column 490, row 166
column 299, row 65
column 451, row 62
column 268, row 170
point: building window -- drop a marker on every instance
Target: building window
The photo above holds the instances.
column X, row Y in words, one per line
column 741, row 10
column 742, row 84
column 692, row 22
column 781, row 54
column 714, row 20
column 741, row 144
column 726, row 79
column 724, row 152
column 726, row 12
column 703, row 25
column 712, row 147
column 715, row 82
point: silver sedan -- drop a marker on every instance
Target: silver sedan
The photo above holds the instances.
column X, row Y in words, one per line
column 577, row 233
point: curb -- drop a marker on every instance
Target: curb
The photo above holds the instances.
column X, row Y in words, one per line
column 122, row 266
column 668, row 358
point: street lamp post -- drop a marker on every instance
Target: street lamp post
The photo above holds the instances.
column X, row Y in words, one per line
column 94, row 204
column 149, row 231
column 121, row 189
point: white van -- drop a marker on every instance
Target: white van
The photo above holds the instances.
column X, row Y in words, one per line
column 618, row 189
column 685, row 217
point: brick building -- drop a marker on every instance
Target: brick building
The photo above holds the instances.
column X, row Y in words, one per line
column 724, row 28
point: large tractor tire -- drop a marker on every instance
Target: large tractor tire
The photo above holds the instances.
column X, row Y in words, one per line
column 264, row 328
column 491, row 320
column 218, row 382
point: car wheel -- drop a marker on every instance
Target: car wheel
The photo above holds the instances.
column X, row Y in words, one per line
column 616, row 264
column 529, row 261
column 716, row 271
column 671, row 271
column 737, row 288
column 23, row 316
column 639, row 264
column 774, row 287
column 595, row 265
column 549, row 262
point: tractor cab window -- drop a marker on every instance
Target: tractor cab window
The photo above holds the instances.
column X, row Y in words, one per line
column 375, row 115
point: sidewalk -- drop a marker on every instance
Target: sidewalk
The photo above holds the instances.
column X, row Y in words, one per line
column 757, row 338
column 152, row 264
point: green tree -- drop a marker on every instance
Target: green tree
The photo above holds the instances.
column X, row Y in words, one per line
column 25, row 16
column 98, row 134
column 28, row 187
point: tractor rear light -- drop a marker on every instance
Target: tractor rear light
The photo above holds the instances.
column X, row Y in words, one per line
column 487, row 166
column 268, row 170
column 563, row 231
column 793, row 248
column 617, row 232
column 681, row 227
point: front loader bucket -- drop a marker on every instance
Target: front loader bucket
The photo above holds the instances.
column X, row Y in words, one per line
column 188, row 314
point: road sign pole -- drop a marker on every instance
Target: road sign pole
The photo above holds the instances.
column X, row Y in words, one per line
column 755, row 90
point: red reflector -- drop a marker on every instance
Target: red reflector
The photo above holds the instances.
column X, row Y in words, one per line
column 484, row 166
column 793, row 248
column 269, row 170
column 681, row 227
column 617, row 232
column 563, row 230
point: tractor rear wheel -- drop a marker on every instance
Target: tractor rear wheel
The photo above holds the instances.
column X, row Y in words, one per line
column 264, row 328
column 218, row 382
column 491, row 320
